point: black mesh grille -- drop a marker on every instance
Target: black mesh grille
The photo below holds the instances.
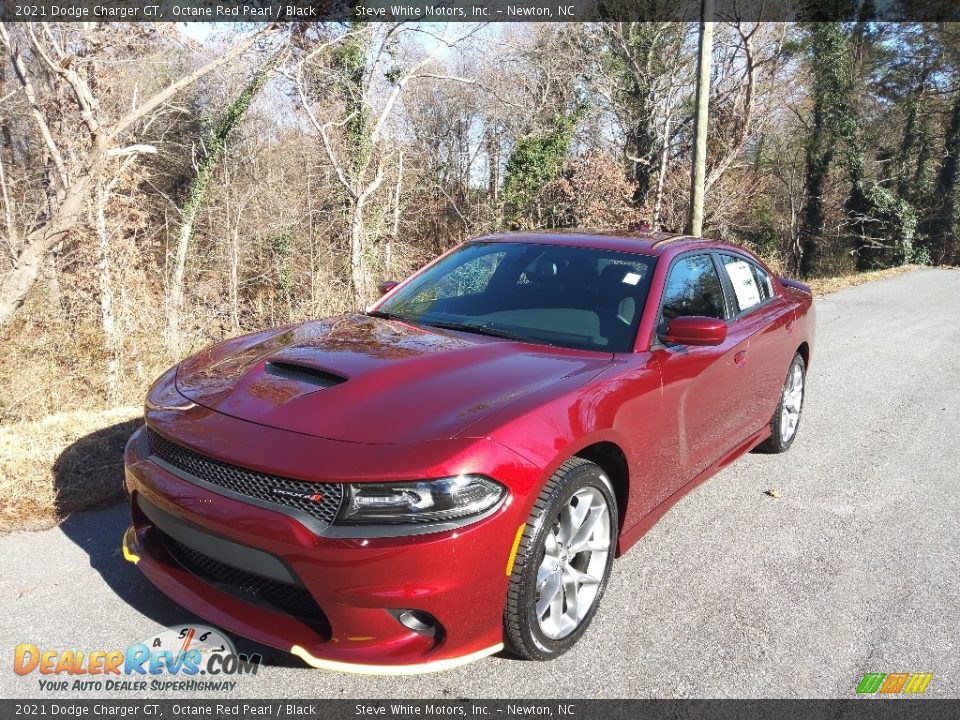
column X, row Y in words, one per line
column 291, row 599
column 262, row 486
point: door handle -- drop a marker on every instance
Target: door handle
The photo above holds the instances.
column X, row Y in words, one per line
column 740, row 358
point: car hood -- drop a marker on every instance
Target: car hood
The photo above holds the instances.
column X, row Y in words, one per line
column 368, row 380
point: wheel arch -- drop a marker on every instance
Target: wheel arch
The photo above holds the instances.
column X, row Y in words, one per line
column 609, row 456
column 804, row 352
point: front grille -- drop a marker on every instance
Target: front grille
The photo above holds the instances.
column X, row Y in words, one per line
column 261, row 486
column 291, row 599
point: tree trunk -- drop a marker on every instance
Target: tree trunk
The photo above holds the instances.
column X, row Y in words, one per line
column 234, row 277
column 197, row 193
column 698, row 171
column 358, row 266
column 493, row 163
column 107, row 315
column 175, row 297
column 395, row 234
column 21, row 278
column 829, row 58
column 313, row 244
column 13, row 243
column 857, row 206
column 662, row 176
column 72, row 192
column 948, row 188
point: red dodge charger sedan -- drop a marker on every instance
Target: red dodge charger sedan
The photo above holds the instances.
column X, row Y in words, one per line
column 454, row 470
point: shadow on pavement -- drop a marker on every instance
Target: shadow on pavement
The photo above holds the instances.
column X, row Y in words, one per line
column 98, row 532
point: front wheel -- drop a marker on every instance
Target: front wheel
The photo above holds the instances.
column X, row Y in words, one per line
column 786, row 418
column 562, row 563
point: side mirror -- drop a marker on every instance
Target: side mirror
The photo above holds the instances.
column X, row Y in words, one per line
column 696, row 330
column 387, row 285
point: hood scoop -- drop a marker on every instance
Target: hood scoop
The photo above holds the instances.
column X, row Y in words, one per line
column 302, row 373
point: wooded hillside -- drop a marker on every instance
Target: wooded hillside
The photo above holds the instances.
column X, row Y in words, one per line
column 161, row 191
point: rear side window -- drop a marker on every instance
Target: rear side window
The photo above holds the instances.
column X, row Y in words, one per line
column 763, row 282
column 746, row 289
column 693, row 288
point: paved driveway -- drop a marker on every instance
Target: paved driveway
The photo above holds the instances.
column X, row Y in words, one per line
column 735, row 593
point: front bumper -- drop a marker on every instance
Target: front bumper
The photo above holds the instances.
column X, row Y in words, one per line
column 359, row 585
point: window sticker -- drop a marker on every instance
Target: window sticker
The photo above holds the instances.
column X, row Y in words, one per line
column 631, row 278
column 744, row 284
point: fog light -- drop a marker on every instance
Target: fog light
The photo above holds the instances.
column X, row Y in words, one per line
column 419, row 621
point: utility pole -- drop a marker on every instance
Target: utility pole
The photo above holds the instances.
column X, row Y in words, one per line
column 698, row 169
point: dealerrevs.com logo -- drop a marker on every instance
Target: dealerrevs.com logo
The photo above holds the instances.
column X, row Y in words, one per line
column 894, row 683
column 186, row 658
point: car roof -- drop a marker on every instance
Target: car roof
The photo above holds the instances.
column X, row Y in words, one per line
column 644, row 242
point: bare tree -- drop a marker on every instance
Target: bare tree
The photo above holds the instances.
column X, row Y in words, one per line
column 108, row 320
column 215, row 146
column 643, row 74
column 354, row 136
column 46, row 61
column 750, row 61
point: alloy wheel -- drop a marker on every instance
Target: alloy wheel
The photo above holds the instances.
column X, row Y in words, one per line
column 574, row 562
column 792, row 404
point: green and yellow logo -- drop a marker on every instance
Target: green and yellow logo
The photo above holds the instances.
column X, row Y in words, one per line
column 894, row 683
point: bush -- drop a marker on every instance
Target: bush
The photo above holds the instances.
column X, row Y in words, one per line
column 592, row 191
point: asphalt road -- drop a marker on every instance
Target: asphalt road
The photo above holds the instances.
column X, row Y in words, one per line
column 853, row 568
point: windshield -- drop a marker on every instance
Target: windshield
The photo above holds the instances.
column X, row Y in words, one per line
column 566, row 296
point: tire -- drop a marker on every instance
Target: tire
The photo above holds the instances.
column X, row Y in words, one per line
column 785, row 422
column 527, row 633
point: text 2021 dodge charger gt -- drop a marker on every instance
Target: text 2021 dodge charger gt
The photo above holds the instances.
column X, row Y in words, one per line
column 454, row 470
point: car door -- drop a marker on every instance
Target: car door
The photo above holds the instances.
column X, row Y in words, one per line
column 703, row 386
column 766, row 320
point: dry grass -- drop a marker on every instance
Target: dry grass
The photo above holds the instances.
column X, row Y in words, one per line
column 827, row 285
column 61, row 464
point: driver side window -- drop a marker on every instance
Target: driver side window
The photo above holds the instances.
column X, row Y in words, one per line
column 693, row 288
column 470, row 278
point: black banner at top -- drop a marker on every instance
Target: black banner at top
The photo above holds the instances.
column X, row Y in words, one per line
column 472, row 11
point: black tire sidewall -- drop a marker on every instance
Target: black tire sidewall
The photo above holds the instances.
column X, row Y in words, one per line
column 579, row 477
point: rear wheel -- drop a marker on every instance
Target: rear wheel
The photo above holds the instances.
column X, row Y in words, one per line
column 562, row 564
column 786, row 419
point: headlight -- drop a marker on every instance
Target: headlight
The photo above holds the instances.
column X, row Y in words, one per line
column 454, row 501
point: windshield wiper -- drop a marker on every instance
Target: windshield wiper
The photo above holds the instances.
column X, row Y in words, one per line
column 478, row 330
column 383, row 314
column 463, row 327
